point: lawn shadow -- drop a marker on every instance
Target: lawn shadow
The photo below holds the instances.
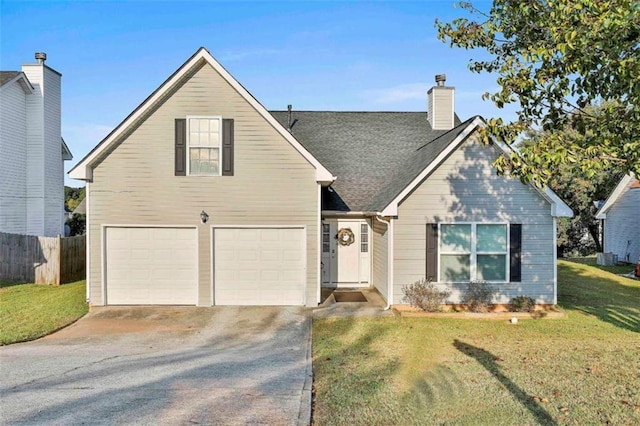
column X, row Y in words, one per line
column 602, row 297
column 356, row 364
column 487, row 360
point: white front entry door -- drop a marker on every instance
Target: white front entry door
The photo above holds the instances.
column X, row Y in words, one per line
column 346, row 259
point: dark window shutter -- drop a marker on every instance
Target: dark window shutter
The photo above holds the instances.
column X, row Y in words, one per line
column 227, row 147
column 432, row 252
column 181, row 147
column 515, row 250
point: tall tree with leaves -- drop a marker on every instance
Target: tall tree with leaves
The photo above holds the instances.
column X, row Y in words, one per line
column 554, row 58
column 579, row 189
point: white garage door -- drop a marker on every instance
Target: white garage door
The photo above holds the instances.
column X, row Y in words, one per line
column 151, row 266
column 259, row 266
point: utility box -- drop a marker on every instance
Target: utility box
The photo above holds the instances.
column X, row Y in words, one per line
column 606, row 259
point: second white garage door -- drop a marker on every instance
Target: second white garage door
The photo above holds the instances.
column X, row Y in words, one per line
column 259, row 266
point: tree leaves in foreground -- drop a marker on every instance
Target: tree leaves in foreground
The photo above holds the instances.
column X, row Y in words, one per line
column 578, row 235
column 554, row 59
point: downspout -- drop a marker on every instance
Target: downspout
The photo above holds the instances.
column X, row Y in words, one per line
column 87, row 236
column 389, row 261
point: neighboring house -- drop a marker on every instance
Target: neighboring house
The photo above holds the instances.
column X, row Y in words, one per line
column 621, row 218
column 32, row 151
column 201, row 196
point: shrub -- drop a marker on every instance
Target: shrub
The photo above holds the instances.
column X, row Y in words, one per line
column 478, row 296
column 425, row 295
column 522, row 304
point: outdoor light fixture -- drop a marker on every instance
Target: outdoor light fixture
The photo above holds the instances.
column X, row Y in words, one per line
column 204, row 217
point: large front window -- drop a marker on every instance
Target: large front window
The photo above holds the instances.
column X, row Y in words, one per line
column 472, row 251
column 204, row 136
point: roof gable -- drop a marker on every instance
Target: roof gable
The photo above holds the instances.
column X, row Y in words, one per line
column 455, row 138
column 627, row 181
column 83, row 170
column 8, row 77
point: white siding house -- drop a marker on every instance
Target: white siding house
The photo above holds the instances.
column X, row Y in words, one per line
column 621, row 216
column 32, row 151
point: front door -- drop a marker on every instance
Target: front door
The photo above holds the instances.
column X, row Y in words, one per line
column 346, row 259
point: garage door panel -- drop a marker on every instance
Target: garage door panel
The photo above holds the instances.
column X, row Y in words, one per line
column 259, row 266
column 151, row 266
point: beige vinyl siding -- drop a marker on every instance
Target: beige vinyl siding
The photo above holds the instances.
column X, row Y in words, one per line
column 380, row 258
column 465, row 188
column 273, row 184
column 13, row 159
column 622, row 226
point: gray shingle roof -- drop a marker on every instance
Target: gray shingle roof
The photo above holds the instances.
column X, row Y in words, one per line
column 374, row 155
column 6, row 76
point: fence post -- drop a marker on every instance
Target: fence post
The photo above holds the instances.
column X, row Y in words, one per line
column 59, row 260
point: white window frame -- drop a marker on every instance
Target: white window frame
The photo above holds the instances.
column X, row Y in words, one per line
column 473, row 255
column 364, row 234
column 188, row 143
column 326, row 234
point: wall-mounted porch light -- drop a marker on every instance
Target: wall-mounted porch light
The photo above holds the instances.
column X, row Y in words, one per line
column 204, row 217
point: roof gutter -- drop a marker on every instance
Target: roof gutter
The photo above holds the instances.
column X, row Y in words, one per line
column 389, row 260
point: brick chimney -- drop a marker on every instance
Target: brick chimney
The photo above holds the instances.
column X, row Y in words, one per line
column 441, row 105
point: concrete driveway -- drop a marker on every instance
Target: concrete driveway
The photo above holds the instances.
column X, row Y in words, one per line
column 220, row 365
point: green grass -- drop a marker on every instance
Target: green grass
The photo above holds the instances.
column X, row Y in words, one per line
column 30, row 311
column 621, row 268
column 584, row 369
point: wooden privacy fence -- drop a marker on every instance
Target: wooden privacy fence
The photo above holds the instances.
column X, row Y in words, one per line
column 42, row 260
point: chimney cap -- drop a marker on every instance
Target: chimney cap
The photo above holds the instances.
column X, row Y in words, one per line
column 41, row 57
column 440, row 79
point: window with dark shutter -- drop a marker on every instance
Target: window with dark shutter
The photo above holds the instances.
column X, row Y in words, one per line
column 227, row 147
column 432, row 252
column 181, row 147
column 515, row 250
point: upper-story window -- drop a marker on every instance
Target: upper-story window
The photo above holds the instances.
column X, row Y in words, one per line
column 204, row 138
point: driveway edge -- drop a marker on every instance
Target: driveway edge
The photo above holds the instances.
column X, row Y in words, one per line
column 304, row 415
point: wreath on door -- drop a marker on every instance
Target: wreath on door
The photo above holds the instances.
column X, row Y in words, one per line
column 345, row 237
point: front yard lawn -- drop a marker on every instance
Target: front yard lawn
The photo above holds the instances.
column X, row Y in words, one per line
column 29, row 311
column 583, row 369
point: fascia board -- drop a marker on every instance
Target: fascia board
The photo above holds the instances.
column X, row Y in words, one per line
column 624, row 182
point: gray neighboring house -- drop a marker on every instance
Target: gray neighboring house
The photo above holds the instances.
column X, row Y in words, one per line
column 203, row 197
column 32, row 151
column 621, row 220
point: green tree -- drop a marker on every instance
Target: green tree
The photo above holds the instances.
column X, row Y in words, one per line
column 73, row 196
column 554, row 59
column 578, row 188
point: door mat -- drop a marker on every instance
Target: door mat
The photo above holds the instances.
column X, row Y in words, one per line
column 349, row 296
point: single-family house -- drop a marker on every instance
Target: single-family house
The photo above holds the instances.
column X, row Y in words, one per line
column 203, row 197
column 32, row 151
column 620, row 215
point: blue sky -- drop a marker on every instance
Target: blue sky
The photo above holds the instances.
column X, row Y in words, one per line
column 373, row 56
